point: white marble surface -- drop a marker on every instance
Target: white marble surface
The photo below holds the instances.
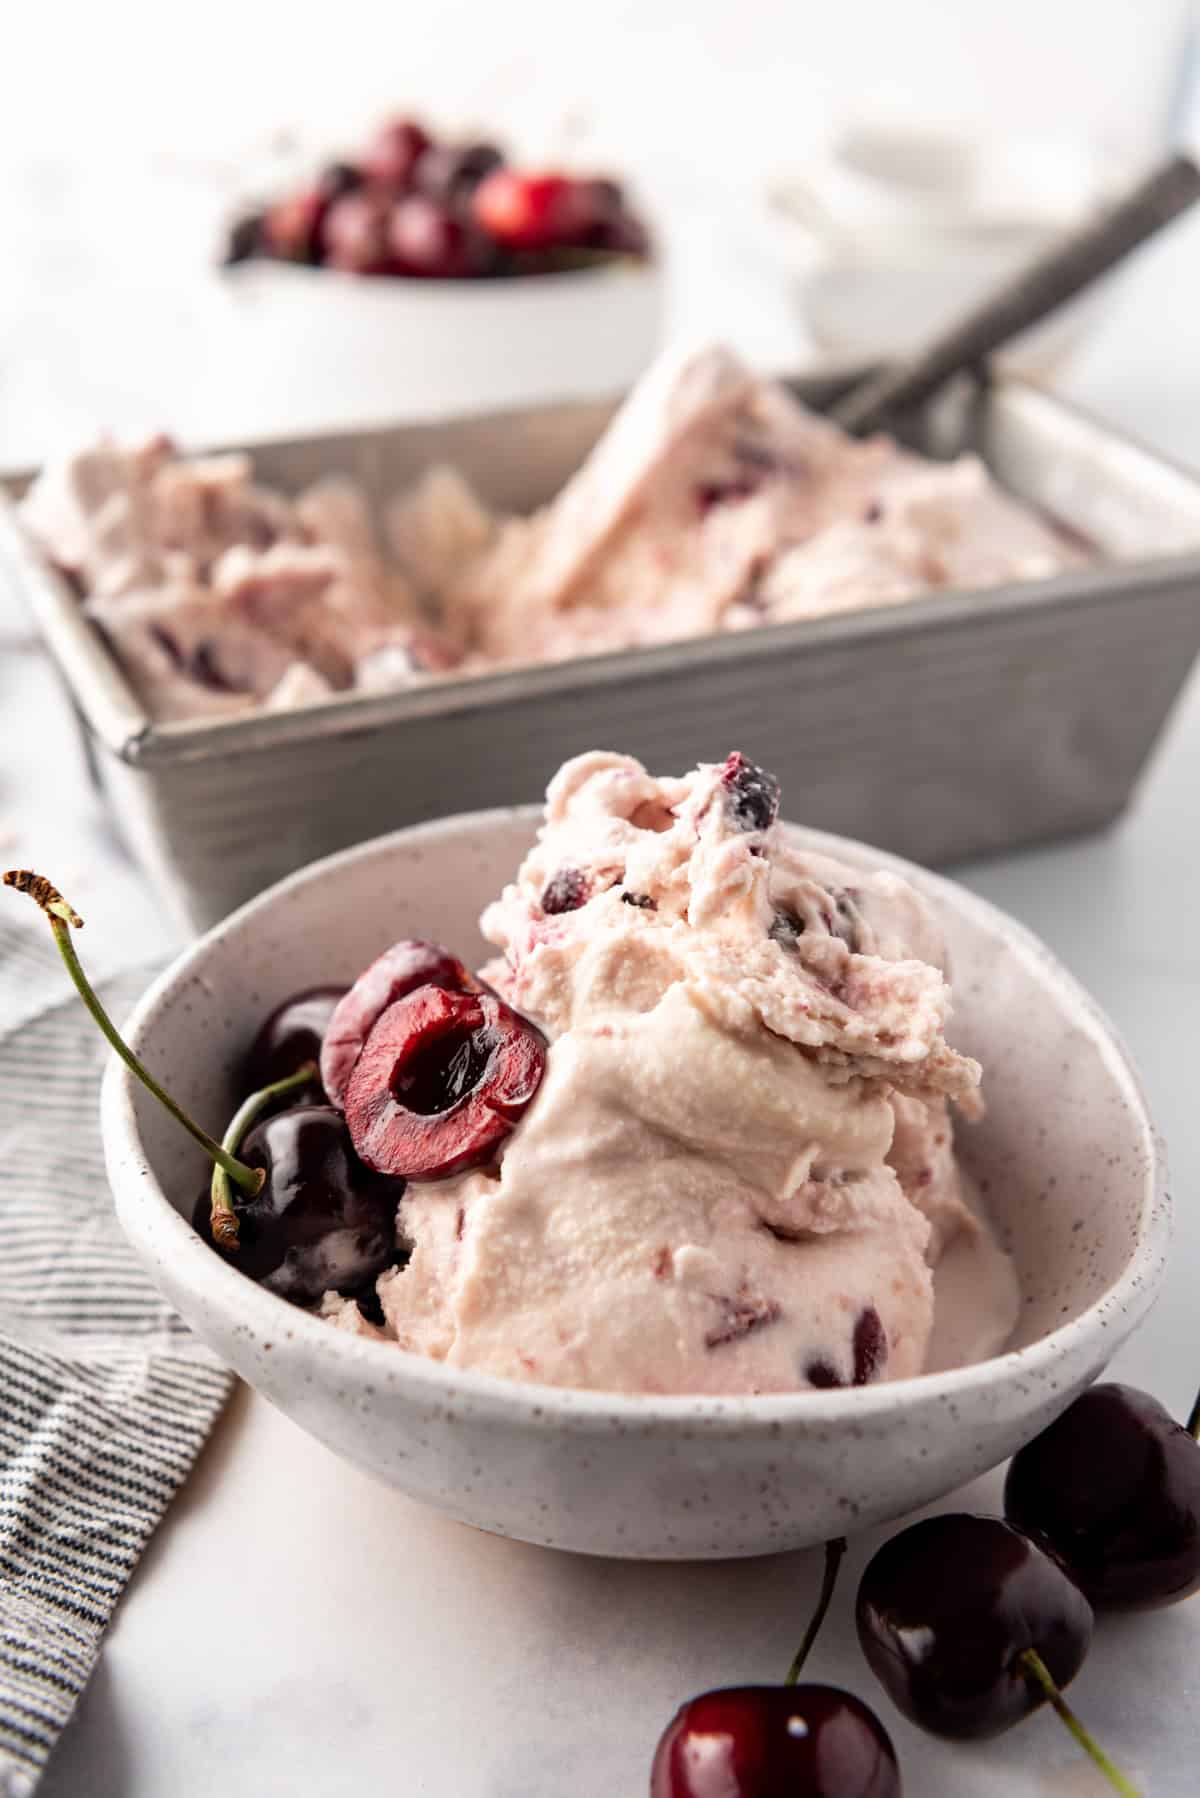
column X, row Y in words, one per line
column 293, row 1628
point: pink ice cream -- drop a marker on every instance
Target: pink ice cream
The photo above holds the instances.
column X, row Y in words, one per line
column 715, row 501
column 738, row 1173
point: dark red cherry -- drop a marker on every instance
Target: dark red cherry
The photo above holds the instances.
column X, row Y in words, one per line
column 751, row 794
column 394, row 152
column 407, row 965
column 1113, row 1487
column 530, row 212
column 802, row 1741
column 443, row 1079
column 947, row 1609
column 452, row 172
column 322, row 1221
column 292, row 226
column 355, row 232
column 429, row 240
column 292, row 1035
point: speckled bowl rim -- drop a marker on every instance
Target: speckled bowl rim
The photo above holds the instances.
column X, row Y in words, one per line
column 153, row 1223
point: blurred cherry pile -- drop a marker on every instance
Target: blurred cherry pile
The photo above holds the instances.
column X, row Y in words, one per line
column 415, row 206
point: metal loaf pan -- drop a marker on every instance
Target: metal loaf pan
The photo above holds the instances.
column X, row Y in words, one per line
column 941, row 728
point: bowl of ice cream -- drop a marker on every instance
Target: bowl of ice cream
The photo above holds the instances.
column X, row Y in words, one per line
column 746, row 1263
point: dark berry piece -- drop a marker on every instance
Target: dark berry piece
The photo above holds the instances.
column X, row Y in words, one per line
column 401, row 969
column 322, row 1222
column 443, row 1079
column 870, row 1346
column 823, row 1375
column 567, row 891
column 751, row 794
column 367, row 1300
column 1113, row 1487
column 292, row 1035
column 947, row 1609
column 803, row 1741
column 643, row 901
column 724, row 493
column 786, row 927
column 741, row 1316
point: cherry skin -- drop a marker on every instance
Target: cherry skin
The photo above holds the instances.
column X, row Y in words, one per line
column 322, row 1220
column 292, row 1035
column 947, row 1608
column 452, row 172
column 531, row 212
column 355, row 232
column 403, row 968
column 1113, row 1488
column 395, row 151
column 429, row 240
column 803, row 1741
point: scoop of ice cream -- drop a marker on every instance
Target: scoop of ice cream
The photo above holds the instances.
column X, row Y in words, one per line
column 739, row 1167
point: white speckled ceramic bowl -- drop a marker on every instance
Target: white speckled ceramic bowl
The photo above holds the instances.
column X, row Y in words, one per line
column 1068, row 1156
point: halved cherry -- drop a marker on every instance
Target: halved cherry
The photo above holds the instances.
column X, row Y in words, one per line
column 399, row 970
column 443, row 1079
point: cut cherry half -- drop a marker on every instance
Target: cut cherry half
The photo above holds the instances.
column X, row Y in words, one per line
column 401, row 969
column 443, row 1079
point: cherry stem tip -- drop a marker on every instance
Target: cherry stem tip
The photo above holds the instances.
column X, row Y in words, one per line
column 1041, row 1675
column 834, row 1551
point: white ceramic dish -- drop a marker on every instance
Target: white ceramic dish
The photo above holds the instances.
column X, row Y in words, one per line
column 894, row 229
column 1067, row 1153
column 315, row 345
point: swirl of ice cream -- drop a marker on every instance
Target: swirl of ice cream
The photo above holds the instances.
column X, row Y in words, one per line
column 739, row 1168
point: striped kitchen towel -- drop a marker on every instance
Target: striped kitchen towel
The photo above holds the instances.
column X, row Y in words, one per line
column 105, row 1399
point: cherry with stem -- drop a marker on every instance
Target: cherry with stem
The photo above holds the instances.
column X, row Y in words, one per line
column 970, row 1625
column 758, row 1741
column 63, row 918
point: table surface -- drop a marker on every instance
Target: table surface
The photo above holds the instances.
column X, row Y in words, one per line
column 301, row 1629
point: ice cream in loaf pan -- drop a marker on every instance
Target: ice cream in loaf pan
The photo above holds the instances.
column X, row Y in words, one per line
column 715, row 501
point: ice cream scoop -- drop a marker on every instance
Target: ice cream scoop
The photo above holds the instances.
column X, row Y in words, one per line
column 738, row 1170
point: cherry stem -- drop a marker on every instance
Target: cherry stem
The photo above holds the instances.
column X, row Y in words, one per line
column 833, row 1559
column 223, row 1216
column 1193, row 1422
column 1037, row 1669
column 62, row 916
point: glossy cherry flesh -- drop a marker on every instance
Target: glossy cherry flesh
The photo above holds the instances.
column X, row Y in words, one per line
column 322, row 1221
column 292, row 1035
column 806, row 1741
column 443, row 1079
column 946, row 1610
column 407, row 965
column 1113, row 1487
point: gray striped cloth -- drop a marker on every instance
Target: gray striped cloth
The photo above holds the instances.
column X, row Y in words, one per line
column 105, row 1399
